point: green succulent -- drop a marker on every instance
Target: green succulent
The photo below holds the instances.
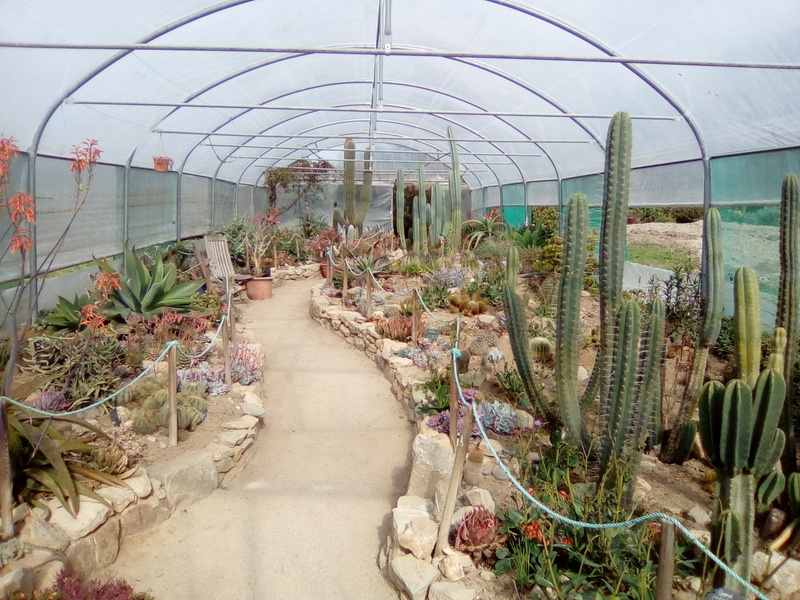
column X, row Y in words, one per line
column 147, row 293
column 67, row 314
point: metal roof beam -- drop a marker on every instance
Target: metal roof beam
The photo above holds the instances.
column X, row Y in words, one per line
column 379, row 150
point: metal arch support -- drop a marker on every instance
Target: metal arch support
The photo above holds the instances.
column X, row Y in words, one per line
column 637, row 71
column 399, row 136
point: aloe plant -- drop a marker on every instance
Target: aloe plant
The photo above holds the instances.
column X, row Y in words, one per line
column 66, row 316
column 789, row 304
column 146, row 293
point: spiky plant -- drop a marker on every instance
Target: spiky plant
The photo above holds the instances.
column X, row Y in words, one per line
column 479, row 535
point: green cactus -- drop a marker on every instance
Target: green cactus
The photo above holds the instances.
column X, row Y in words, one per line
column 421, row 217
column 400, row 208
column 713, row 282
column 365, row 194
column 770, row 487
column 349, row 181
column 793, row 495
column 747, row 325
column 454, row 239
column 568, row 325
column 512, row 267
column 740, row 434
column 612, row 243
column 789, row 304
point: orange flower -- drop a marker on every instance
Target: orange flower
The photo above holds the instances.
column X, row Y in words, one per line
column 91, row 320
column 107, row 283
column 564, row 495
column 533, row 530
column 22, row 208
column 83, row 155
column 20, row 240
column 565, row 541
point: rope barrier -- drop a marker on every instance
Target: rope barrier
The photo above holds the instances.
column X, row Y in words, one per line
column 225, row 318
column 582, row 524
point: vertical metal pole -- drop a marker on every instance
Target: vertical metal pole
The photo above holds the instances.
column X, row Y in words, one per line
column 368, row 276
column 455, row 480
column 414, row 315
column 666, row 562
column 173, row 393
column 226, row 353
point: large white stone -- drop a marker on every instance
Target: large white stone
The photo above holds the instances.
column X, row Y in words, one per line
column 219, row 452
column 443, row 590
column 785, row 582
column 188, row 477
column 431, row 467
column 95, row 551
column 413, row 576
column 415, row 502
column 143, row 515
column 140, row 483
column 481, row 497
column 119, row 498
column 419, row 537
column 90, row 516
column 231, row 438
column 244, row 422
column 39, row 533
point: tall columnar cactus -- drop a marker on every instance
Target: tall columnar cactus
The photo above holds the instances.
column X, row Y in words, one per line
column 400, row 208
column 747, row 325
column 740, row 434
column 713, row 281
column 455, row 193
column 568, row 323
column 626, row 408
column 349, row 181
column 512, row 267
column 789, row 304
column 421, row 213
column 365, row 194
column 612, row 243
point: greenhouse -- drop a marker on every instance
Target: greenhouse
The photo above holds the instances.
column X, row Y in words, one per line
column 448, row 144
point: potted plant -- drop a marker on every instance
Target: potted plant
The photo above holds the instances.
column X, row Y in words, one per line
column 321, row 243
column 257, row 245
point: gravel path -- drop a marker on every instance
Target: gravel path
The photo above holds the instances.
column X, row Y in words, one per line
column 306, row 517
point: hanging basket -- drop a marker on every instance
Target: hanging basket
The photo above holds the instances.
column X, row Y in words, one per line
column 162, row 164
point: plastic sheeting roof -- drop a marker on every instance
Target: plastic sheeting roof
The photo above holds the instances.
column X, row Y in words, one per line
column 268, row 78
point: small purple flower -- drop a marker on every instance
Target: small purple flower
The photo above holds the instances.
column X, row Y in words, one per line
column 537, row 423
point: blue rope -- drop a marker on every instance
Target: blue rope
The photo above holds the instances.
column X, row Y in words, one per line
column 222, row 321
column 629, row 523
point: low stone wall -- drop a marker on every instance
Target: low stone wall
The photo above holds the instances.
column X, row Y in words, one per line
column 294, row 273
column 91, row 540
column 406, row 557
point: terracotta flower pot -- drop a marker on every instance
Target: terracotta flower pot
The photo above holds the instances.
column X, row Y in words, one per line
column 162, row 164
column 259, row 288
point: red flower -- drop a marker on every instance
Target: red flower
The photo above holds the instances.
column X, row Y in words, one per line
column 22, row 208
column 533, row 530
column 566, row 541
column 91, row 320
column 564, row 495
column 20, row 240
column 106, row 283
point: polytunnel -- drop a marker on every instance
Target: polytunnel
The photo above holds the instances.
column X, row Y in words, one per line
column 229, row 89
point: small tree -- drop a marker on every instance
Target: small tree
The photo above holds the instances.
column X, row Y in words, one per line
column 305, row 178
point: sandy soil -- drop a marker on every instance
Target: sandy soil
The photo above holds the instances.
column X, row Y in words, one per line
column 680, row 236
column 307, row 515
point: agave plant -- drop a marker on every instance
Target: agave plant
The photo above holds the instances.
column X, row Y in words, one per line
column 67, row 314
column 45, row 460
column 479, row 535
column 146, row 293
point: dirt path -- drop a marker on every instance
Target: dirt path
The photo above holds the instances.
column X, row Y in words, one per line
column 306, row 517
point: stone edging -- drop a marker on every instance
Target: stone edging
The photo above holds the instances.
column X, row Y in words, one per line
column 91, row 540
column 406, row 559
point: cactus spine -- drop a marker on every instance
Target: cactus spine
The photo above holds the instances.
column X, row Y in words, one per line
column 747, row 325
column 739, row 431
column 568, row 326
column 455, row 194
column 400, row 208
column 713, row 285
column 789, row 304
column 613, row 236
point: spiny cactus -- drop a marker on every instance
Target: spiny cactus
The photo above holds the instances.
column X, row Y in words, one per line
column 616, row 191
column 769, row 488
column 713, row 281
column 789, row 304
column 747, row 325
column 349, row 181
column 740, row 434
column 400, row 208
column 365, row 194
column 454, row 237
column 154, row 410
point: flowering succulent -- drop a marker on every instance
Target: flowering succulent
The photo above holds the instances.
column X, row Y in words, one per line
column 448, row 278
column 51, row 401
column 478, row 534
column 214, row 379
column 246, row 363
column 441, row 421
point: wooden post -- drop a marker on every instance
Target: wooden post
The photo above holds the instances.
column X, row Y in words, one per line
column 666, row 562
column 6, row 481
column 453, row 406
column 274, row 253
column 329, row 279
column 414, row 316
column 344, row 279
column 455, row 480
column 172, row 385
column 368, row 277
column 231, row 327
column 297, row 249
column 226, row 353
